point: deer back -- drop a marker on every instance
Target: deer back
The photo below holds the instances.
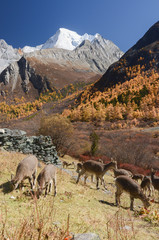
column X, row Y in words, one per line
column 128, row 185
column 48, row 173
column 26, row 167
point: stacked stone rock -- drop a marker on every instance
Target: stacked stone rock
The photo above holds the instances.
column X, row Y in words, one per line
column 40, row 146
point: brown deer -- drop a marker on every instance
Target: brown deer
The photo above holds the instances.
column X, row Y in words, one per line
column 124, row 183
column 45, row 180
column 79, row 168
column 155, row 180
column 66, row 164
column 121, row 171
column 96, row 168
column 26, row 169
column 146, row 185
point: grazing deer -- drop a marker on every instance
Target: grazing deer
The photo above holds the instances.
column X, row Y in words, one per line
column 66, row 164
column 138, row 177
column 155, row 180
column 45, row 180
column 96, row 168
column 26, row 169
column 146, row 185
column 124, row 183
column 79, row 168
column 121, row 171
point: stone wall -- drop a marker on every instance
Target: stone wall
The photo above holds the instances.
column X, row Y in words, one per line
column 40, row 146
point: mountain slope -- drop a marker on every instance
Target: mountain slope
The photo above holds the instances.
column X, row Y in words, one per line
column 143, row 56
column 130, row 87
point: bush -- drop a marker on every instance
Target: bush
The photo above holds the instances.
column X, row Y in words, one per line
column 60, row 129
column 94, row 140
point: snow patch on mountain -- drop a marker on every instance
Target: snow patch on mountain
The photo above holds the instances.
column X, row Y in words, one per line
column 28, row 49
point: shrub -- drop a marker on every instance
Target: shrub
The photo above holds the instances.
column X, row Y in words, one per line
column 94, row 140
column 60, row 129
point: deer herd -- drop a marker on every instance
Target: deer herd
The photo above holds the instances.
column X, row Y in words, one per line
column 125, row 181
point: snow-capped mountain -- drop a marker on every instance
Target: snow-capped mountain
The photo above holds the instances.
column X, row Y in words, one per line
column 65, row 58
column 62, row 39
column 66, row 39
column 7, row 55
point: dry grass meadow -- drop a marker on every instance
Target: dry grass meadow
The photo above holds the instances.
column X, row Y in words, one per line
column 75, row 209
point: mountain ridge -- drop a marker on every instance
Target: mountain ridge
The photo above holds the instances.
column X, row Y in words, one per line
column 57, row 67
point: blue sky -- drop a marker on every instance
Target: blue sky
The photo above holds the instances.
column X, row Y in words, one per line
column 32, row 22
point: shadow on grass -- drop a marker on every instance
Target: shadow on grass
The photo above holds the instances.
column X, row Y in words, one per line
column 112, row 204
column 7, row 187
column 107, row 203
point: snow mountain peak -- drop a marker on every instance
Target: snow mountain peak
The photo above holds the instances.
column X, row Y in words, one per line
column 66, row 39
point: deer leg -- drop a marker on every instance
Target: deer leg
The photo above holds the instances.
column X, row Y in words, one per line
column 34, row 179
column 50, row 187
column 92, row 178
column 21, row 186
column 117, row 197
column 46, row 189
column 103, row 182
column 31, row 183
column 97, row 185
column 152, row 190
column 55, row 188
column 149, row 192
column 80, row 174
column 131, row 203
column 85, row 178
column 102, row 179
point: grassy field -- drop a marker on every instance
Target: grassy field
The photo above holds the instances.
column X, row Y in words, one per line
column 75, row 209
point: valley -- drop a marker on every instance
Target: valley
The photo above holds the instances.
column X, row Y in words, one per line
column 95, row 102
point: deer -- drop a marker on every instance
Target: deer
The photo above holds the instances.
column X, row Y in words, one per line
column 66, row 164
column 96, row 168
column 79, row 168
column 146, row 184
column 121, row 171
column 126, row 184
column 155, row 180
column 138, row 177
column 26, row 169
column 45, row 180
